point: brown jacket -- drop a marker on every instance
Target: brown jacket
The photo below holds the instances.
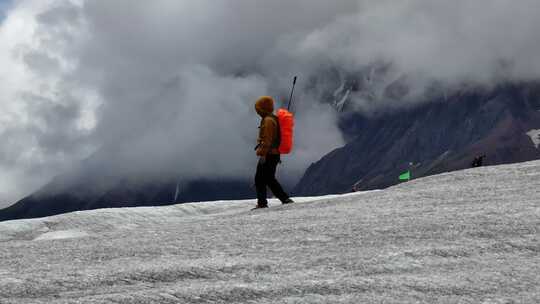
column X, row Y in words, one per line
column 268, row 141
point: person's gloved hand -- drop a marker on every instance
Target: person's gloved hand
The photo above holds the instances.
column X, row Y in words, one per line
column 262, row 160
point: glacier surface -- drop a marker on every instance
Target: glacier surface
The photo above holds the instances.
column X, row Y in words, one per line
column 462, row 237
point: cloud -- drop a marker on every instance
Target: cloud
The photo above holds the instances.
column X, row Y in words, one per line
column 44, row 120
column 168, row 86
column 452, row 42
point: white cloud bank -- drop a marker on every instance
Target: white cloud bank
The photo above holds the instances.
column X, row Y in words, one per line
column 171, row 83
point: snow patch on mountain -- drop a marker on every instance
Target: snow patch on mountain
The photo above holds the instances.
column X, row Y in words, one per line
column 338, row 91
column 341, row 103
column 340, row 98
column 535, row 137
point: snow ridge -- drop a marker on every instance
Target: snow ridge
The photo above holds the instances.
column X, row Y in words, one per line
column 535, row 137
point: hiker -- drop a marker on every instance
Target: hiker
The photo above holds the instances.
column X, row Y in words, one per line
column 268, row 153
column 478, row 161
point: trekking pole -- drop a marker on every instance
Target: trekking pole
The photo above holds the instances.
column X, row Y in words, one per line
column 292, row 91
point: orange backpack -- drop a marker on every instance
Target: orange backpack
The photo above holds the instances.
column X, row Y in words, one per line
column 286, row 126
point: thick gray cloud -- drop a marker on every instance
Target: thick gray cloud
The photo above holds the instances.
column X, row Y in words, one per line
column 169, row 85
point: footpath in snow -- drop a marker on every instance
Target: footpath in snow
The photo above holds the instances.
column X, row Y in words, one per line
column 463, row 237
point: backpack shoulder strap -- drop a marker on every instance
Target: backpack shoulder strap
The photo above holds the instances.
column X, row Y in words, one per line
column 277, row 140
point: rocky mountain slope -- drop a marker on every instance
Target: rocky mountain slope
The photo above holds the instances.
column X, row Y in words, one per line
column 462, row 237
column 443, row 134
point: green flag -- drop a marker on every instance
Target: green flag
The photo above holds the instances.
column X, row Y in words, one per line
column 405, row 176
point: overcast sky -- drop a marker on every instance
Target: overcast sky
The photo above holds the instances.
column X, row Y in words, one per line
column 171, row 83
column 4, row 4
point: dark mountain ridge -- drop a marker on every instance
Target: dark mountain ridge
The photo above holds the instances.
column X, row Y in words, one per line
column 94, row 184
column 441, row 135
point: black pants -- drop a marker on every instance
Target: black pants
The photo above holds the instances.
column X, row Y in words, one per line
column 266, row 176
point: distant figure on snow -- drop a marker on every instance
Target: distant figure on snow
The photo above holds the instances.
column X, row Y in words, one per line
column 268, row 153
column 478, row 161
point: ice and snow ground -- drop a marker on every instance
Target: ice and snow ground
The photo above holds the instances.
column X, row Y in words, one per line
column 463, row 237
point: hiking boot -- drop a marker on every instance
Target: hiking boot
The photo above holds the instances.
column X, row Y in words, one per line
column 287, row 201
column 261, row 205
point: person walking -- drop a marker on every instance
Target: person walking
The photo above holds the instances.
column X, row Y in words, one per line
column 269, row 157
column 478, row 161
